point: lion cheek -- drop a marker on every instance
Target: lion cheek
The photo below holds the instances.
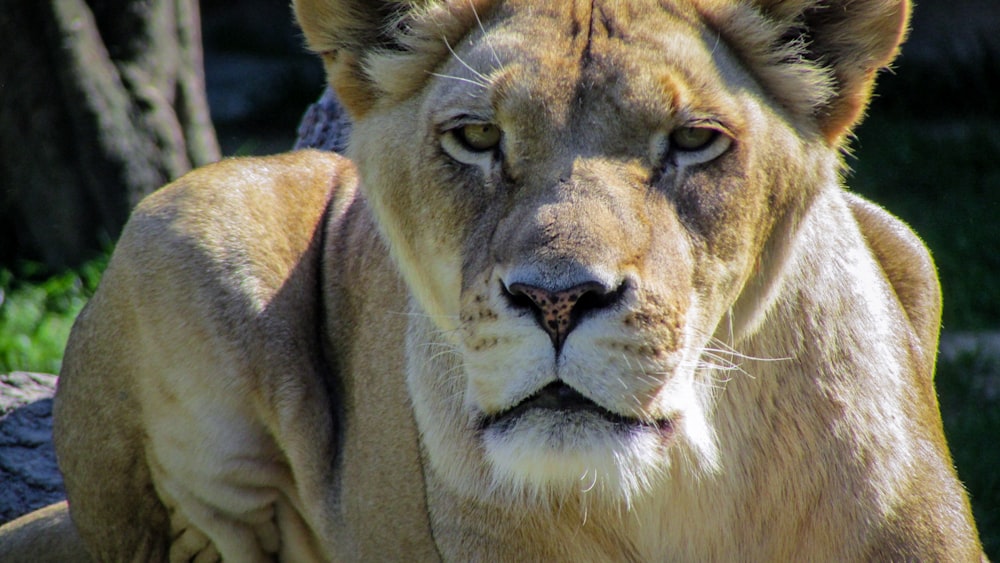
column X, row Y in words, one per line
column 497, row 381
column 430, row 270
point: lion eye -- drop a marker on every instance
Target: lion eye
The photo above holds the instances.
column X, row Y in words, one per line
column 690, row 139
column 478, row 137
column 476, row 143
column 690, row 145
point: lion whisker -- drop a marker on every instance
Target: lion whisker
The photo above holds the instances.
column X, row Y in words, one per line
column 748, row 357
column 485, row 79
column 442, row 354
column 440, row 345
column 420, row 314
column 482, row 28
column 459, row 78
column 714, row 383
column 593, row 482
column 724, row 347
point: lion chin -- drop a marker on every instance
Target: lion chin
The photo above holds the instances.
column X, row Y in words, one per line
column 557, row 439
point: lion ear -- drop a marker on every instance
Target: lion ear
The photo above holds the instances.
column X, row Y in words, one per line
column 342, row 32
column 854, row 39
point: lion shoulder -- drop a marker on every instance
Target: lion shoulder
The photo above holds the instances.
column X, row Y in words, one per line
column 909, row 268
column 207, row 307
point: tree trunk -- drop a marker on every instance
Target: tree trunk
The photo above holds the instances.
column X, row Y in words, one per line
column 101, row 102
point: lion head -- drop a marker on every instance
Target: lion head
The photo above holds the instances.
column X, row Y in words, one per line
column 590, row 202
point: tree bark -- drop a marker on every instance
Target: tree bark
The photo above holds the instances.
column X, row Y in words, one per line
column 101, row 102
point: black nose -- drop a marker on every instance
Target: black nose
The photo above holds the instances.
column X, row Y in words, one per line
column 559, row 312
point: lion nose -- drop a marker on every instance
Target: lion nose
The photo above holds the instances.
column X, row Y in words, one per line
column 559, row 312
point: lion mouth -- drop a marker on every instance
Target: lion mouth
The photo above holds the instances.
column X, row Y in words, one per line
column 562, row 399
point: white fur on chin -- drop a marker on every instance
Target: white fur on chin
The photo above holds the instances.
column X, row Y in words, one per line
column 545, row 455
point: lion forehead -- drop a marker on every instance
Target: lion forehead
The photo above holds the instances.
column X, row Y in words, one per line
column 641, row 52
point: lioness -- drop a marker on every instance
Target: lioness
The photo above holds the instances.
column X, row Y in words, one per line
column 588, row 289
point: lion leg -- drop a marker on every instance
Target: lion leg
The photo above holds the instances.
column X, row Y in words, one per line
column 45, row 535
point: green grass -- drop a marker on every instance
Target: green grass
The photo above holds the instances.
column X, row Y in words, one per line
column 943, row 179
column 969, row 391
column 36, row 316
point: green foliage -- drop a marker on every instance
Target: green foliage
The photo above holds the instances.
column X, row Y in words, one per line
column 969, row 391
column 36, row 317
column 943, row 179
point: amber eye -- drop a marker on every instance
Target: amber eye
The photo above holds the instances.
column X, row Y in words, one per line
column 692, row 139
column 478, row 137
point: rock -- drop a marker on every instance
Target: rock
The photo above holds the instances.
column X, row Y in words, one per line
column 324, row 125
column 29, row 476
column 20, row 388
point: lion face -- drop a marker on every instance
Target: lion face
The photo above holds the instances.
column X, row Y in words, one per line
column 584, row 212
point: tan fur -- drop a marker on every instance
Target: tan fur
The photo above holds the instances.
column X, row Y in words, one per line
column 309, row 357
column 46, row 534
